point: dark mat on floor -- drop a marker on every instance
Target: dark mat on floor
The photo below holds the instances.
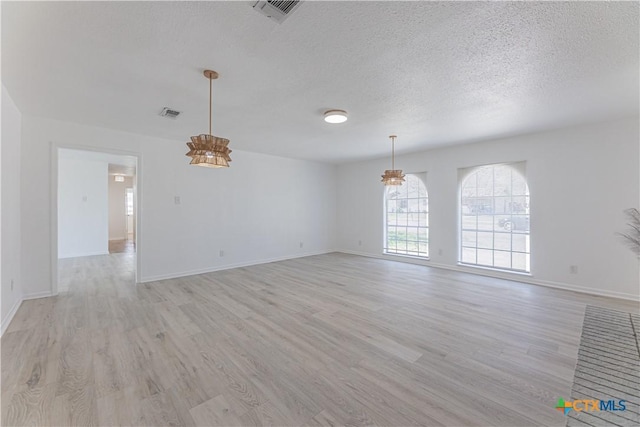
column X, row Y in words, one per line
column 608, row 370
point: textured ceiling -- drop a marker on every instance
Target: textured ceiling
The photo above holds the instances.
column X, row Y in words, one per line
column 433, row 73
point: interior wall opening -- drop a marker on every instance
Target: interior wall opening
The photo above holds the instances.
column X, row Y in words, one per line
column 96, row 219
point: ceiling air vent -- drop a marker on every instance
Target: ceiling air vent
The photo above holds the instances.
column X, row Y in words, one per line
column 276, row 10
column 170, row 113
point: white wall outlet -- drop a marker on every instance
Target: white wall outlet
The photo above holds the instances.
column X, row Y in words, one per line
column 439, row 251
column 84, row 198
column 359, row 242
column 11, row 285
column 573, row 269
column 221, row 253
column 301, row 245
column 176, row 200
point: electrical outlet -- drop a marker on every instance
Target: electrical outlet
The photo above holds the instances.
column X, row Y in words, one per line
column 12, row 285
column 301, row 245
column 84, row 198
column 176, row 200
column 359, row 242
column 439, row 251
column 221, row 253
column 573, row 269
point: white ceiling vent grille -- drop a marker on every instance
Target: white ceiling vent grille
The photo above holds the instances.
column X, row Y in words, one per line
column 169, row 113
column 276, row 10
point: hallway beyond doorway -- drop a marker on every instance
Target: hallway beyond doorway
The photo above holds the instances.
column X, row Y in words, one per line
column 127, row 246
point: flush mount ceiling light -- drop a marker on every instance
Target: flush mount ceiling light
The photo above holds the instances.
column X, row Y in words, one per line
column 393, row 176
column 118, row 178
column 335, row 116
column 208, row 150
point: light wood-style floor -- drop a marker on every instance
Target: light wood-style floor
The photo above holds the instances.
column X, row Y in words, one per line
column 122, row 246
column 326, row 340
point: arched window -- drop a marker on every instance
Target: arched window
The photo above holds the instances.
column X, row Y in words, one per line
column 407, row 218
column 494, row 223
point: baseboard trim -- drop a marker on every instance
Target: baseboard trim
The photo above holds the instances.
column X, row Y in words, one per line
column 37, row 295
column 583, row 290
column 516, row 277
column 229, row 266
column 83, row 254
column 9, row 317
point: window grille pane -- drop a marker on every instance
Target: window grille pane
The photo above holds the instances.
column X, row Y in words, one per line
column 402, row 219
column 502, row 241
column 469, row 238
column 469, row 255
column 469, row 222
column 485, row 257
column 485, row 222
column 502, row 259
column 520, row 261
column 520, row 243
column 485, row 240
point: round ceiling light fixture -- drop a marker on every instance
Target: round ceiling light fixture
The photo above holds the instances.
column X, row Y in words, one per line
column 335, row 116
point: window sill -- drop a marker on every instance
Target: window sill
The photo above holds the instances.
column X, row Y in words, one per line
column 497, row 270
column 421, row 258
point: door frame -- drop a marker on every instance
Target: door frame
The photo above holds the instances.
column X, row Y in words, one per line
column 137, row 194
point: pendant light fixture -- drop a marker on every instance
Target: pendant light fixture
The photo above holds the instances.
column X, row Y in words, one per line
column 393, row 176
column 208, row 150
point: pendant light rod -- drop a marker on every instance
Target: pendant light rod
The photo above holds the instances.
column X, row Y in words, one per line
column 393, row 151
column 211, row 75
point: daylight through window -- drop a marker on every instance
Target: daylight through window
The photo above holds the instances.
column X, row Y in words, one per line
column 407, row 218
column 494, row 221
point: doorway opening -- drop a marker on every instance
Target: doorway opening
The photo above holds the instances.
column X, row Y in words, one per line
column 96, row 221
column 122, row 237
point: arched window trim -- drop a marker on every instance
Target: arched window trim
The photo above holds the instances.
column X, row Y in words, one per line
column 411, row 229
column 519, row 167
column 502, row 221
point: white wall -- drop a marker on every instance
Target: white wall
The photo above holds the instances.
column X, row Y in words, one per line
column 10, row 218
column 259, row 209
column 83, row 208
column 580, row 179
column 117, row 208
column 263, row 206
